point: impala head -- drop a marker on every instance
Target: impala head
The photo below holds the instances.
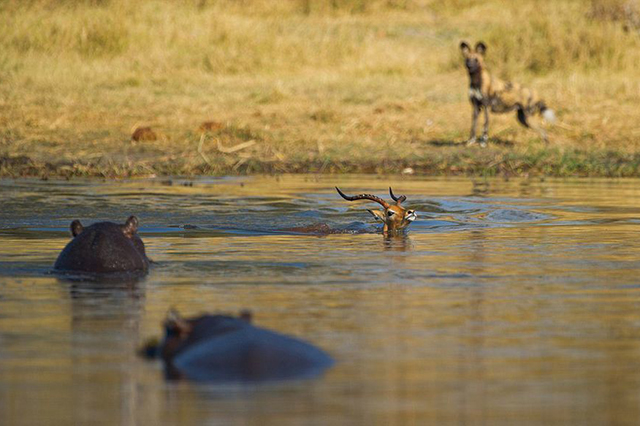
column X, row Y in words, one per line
column 394, row 216
column 473, row 59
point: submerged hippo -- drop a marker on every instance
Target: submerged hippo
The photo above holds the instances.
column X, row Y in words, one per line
column 223, row 348
column 104, row 247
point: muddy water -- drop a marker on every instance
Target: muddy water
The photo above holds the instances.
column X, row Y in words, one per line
column 506, row 302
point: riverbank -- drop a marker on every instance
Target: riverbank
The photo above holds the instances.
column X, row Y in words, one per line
column 449, row 161
column 375, row 87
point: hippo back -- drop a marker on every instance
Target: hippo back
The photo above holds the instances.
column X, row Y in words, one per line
column 238, row 351
column 103, row 248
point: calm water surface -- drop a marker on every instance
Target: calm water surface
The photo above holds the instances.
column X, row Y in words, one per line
column 506, row 302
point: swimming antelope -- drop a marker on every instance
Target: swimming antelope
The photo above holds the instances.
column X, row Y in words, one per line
column 487, row 91
column 394, row 216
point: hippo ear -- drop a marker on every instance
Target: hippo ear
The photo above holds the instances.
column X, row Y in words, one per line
column 76, row 228
column 246, row 316
column 175, row 325
column 130, row 226
column 465, row 48
column 173, row 316
column 481, row 48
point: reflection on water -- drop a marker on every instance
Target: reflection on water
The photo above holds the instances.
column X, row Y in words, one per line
column 505, row 303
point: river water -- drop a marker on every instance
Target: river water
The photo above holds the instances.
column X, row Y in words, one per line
column 506, row 302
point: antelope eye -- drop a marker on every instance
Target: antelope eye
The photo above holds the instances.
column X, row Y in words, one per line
column 390, row 213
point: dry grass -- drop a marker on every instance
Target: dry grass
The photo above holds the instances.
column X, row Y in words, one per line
column 309, row 85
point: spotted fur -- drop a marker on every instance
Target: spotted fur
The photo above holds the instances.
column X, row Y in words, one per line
column 487, row 92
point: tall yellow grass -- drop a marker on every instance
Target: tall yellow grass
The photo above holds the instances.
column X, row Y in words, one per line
column 312, row 80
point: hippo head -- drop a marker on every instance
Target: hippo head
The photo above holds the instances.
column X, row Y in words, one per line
column 104, row 247
column 183, row 332
column 226, row 348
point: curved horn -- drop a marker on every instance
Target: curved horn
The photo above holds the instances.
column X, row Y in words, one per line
column 370, row 197
column 399, row 199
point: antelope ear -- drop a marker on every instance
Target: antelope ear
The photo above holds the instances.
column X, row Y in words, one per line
column 130, row 226
column 378, row 214
column 76, row 228
column 465, row 48
column 481, row 48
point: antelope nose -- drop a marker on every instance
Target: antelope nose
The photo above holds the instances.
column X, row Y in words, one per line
column 412, row 216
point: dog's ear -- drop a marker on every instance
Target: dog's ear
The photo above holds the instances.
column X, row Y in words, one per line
column 481, row 48
column 465, row 48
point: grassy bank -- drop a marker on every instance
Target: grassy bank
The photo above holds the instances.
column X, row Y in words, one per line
column 310, row 86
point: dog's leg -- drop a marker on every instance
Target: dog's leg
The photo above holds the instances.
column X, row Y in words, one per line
column 522, row 118
column 474, row 122
column 542, row 133
column 485, row 132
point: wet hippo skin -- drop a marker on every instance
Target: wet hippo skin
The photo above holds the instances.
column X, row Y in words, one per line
column 220, row 348
column 104, row 247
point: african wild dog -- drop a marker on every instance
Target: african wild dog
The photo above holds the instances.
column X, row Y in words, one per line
column 488, row 92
